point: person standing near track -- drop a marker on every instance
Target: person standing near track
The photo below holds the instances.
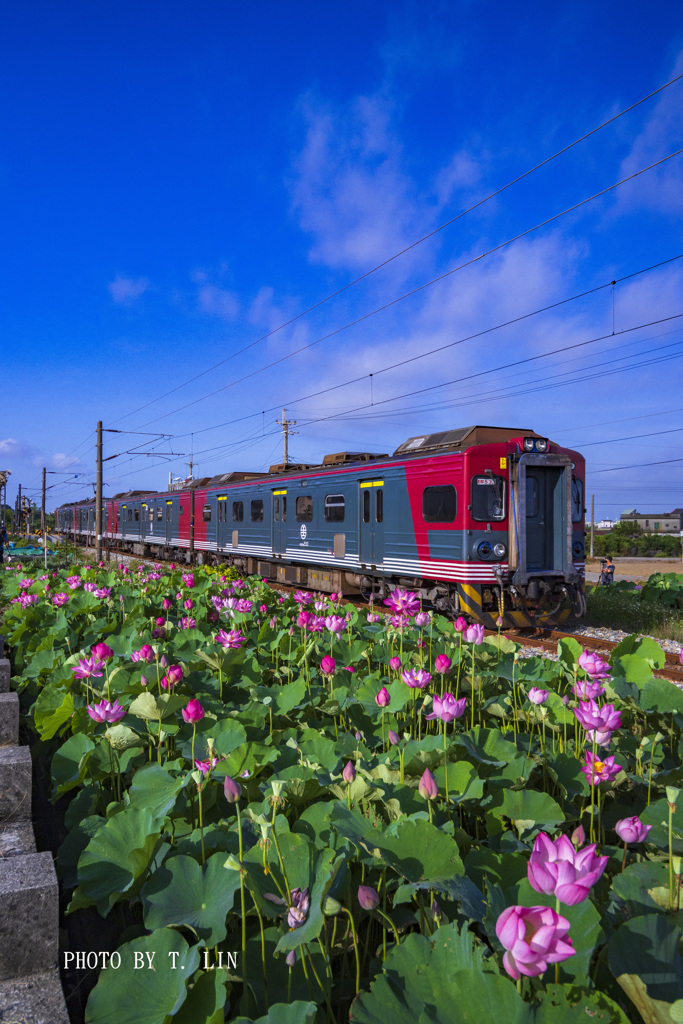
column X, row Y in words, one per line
column 4, row 539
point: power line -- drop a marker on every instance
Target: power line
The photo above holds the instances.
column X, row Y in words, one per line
column 413, row 245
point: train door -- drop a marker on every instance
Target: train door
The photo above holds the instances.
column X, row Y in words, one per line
column 279, row 522
column 222, row 523
column 545, row 519
column 371, row 520
column 170, row 519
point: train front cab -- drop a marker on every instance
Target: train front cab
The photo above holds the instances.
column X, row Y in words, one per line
column 544, row 587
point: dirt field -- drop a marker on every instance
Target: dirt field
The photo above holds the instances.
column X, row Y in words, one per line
column 637, row 568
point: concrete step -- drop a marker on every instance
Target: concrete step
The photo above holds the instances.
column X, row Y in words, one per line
column 15, row 784
column 9, row 719
column 4, row 675
column 16, row 838
column 29, row 922
column 35, row 999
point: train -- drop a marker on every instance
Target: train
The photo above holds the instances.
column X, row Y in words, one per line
column 483, row 522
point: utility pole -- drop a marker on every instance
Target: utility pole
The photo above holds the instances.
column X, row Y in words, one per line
column 4, row 473
column 42, row 507
column 286, row 430
column 592, row 521
column 98, row 496
column 19, row 516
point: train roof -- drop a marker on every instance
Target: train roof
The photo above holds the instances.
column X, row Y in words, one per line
column 463, row 437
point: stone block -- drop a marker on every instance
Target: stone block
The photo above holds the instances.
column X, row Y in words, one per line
column 15, row 783
column 9, row 718
column 5, row 673
column 29, row 921
column 16, row 838
column 36, row 999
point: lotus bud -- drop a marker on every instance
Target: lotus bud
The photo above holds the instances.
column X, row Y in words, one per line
column 367, row 897
column 427, row 786
column 328, row 665
column 331, row 906
column 290, row 959
column 393, row 738
column 461, row 624
column 163, row 661
column 383, row 698
column 578, row 837
column 232, row 790
column 194, row 712
column 395, row 664
column 349, row 773
column 143, row 681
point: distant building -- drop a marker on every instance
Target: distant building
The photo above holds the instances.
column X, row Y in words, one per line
column 605, row 524
column 655, row 522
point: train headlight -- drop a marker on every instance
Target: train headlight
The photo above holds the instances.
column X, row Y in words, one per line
column 541, row 444
column 484, row 549
column 528, row 444
column 499, row 550
column 535, row 444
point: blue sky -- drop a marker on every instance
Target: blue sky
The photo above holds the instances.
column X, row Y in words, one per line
column 181, row 180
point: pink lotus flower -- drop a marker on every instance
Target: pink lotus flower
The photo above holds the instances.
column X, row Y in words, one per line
column 263, row 608
column 166, row 604
column 349, row 773
column 205, row 766
column 447, row 707
column 367, row 897
column 60, row 599
column 422, row 619
column 599, row 771
column 584, row 689
column 304, row 619
column 187, row 623
column 188, row 580
column 593, row 665
column 557, row 869
column 327, row 665
column 101, row 651
column 298, row 911
column 90, row 588
column 537, row 696
column 230, row 641
column 599, row 722
column 403, row 602
column 103, row 593
column 533, row 938
column 372, row 617
column 395, row 664
column 173, row 676
column 461, row 624
column 442, row 664
column 243, row 606
column 26, row 599
column 189, row 604
column 161, row 621
column 632, row 830
column 88, row 667
column 302, row 597
column 232, row 790
column 475, row 634
column 427, row 786
column 146, row 653
column 393, row 738
column 416, row 678
column 106, row 712
column 383, row 699
column 335, row 623
column 193, row 712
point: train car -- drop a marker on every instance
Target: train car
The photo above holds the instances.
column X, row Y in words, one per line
column 487, row 522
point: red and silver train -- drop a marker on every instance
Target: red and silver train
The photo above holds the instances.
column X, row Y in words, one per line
column 487, row 522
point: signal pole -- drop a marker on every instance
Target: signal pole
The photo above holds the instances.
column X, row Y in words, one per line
column 286, row 430
column 592, row 521
column 98, row 496
column 42, row 507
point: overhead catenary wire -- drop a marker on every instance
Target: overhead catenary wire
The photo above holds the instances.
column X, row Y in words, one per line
column 412, row 245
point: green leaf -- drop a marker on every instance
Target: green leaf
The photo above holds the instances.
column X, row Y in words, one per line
column 327, row 865
column 206, row 1000
column 146, row 995
column 643, row 956
column 284, row 1013
column 659, row 695
column 527, row 808
column 635, row 886
column 53, row 708
column 421, row 980
column 120, row 737
column 571, row 1004
column 145, row 706
column 287, row 697
column 488, row 746
column 70, row 762
column 155, row 788
column 183, row 892
column 115, row 858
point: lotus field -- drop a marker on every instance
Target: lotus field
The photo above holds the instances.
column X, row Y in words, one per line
column 298, row 811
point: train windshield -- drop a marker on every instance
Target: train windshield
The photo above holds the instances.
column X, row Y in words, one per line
column 488, row 498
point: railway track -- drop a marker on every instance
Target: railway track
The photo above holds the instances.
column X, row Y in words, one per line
column 548, row 639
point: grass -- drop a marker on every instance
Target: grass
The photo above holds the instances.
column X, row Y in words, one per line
column 615, row 608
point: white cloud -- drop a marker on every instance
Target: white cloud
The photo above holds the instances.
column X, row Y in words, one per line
column 126, row 290
column 218, row 302
column 10, row 448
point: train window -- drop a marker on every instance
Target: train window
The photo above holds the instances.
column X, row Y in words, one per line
column 276, row 510
column 206, row 513
column 577, row 500
column 136, row 514
column 439, row 504
column 237, row 511
column 169, row 513
column 366, row 506
column 150, row 515
column 160, row 513
column 181, row 509
column 118, row 515
column 379, row 505
column 257, row 511
column 284, row 508
column 304, row 508
column 335, row 508
column 488, row 498
column 130, row 514
column 531, row 497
